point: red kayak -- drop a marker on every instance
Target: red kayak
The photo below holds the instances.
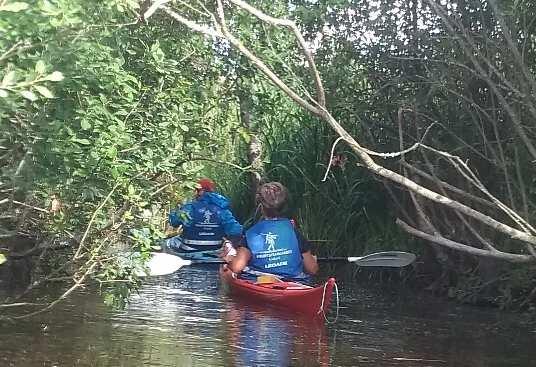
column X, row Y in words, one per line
column 291, row 296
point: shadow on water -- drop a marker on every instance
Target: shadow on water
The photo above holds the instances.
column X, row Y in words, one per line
column 186, row 320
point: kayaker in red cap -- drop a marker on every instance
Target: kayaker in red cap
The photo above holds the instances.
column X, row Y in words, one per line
column 205, row 221
column 274, row 245
column 204, row 184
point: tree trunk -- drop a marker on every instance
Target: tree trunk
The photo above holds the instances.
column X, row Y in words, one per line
column 254, row 150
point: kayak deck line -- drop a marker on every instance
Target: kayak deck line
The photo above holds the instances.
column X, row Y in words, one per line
column 322, row 309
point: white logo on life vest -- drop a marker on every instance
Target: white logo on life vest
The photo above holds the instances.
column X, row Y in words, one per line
column 207, row 216
column 275, row 265
column 269, row 240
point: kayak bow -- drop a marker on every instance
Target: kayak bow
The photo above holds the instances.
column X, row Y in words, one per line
column 290, row 296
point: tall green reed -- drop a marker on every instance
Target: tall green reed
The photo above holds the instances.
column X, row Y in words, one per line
column 348, row 214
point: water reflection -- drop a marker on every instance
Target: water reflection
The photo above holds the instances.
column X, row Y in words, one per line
column 260, row 336
column 186, row 320
column 174, row 321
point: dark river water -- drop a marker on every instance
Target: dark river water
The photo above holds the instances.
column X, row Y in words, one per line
column 186, row 320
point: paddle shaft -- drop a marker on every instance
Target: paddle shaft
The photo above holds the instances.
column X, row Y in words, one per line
column 206, row 262
column 336, row 258
column 325, row 259
column 164, row 263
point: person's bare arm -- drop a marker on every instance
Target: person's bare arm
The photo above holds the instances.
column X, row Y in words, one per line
column 240, row 261
column 310, row 265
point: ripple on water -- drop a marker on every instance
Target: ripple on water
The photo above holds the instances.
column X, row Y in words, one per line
column 186, row 320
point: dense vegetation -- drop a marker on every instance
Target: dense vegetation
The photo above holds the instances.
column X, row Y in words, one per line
column 108, row 115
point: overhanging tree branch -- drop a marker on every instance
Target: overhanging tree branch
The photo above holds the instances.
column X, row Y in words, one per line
column 221, row 30
column 320, row 94
column 465, row 248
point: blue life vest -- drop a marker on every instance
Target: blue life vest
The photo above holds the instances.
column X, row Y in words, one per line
column 205, row 225
column 274, row 248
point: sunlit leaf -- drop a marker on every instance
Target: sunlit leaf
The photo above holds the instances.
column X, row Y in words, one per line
column 3, row 93
column 29, row 95
column 56, row 76
column 14, row 7
column 49, row 8
column 83, row 141
column 3, row 259
column 9, row 79
column 133, row 4
column 40, row 67
column 114, row 172
column 157, row 52
column 44, row 91
column 85, row 125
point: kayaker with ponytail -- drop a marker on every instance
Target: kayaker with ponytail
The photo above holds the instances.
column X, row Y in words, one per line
column 205, row 221
column 273, row 245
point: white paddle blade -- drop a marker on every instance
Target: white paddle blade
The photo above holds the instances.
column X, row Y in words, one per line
column 394, row 259
column 162, row 264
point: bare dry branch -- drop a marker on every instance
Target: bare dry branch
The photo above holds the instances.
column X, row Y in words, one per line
column 470, row 52
column 515, row 258
column 262, row 66
column 331, row 158
column 90, row 224
column 320, row 94
column 150, row 11
column 448, row 186
column 204, row 29
column 19, row 304
column 76, row 284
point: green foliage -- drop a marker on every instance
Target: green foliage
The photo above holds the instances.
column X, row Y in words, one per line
column 107, row 122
